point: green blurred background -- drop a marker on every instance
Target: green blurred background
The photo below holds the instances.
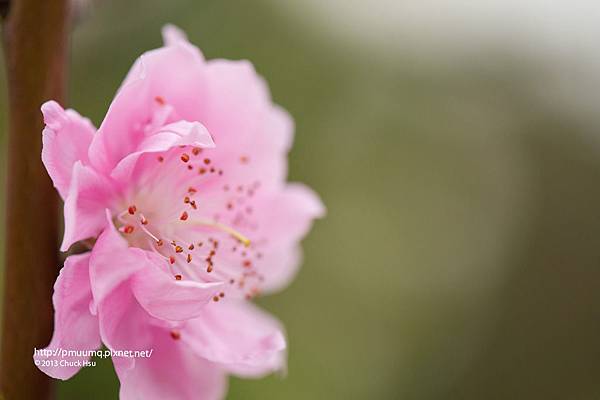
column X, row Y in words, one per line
column 460, row 255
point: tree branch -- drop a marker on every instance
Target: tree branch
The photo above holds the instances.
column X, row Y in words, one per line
column 4, row 8
column 35, row 44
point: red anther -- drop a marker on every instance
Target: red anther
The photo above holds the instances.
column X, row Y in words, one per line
column 191, row 247
column 159, row 242
column 189, row 258
column 128, row 229
column 132, row 209
column 193, row 204
column 207, row 161
column 247, row 263
column 196, row 151
column 144, row 221
column 178, row 249
column 202, row 171
column 184, row 216
column 175, row 335
column 172, row 260
column 160, row 100
column 186, row 199
column 177, row 277
column 216, row 298
column 185, row 157
column 160, row 158
column 192, row 190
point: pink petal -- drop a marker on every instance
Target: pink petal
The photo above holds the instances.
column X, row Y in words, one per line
column 172, row 372
column 66, row 139
column 258, row 131
column 264, row 151
column 280, row 266
column 176, row 134
column 75, row 328
column 147, row 83
column 233, row 87
column 281, row 128
column 285, row 218
column 122, row 321
column 252, row 135
column 163, row 297
column 89, row 195
column 240, row 337
column 172, row 35
column 124, row 325
column 113, row 262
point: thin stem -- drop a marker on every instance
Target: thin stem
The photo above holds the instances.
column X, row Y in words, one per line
column 35, row 44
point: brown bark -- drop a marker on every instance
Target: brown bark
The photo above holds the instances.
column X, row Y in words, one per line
column 35, row 44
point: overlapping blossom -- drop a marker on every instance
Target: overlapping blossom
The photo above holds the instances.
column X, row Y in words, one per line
column 182, row 195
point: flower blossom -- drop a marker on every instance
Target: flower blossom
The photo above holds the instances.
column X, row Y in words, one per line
column 181, row 194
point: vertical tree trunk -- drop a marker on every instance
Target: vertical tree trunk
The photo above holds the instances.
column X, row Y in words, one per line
column 35, row 44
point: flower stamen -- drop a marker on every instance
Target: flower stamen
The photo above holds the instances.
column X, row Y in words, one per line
column 227, row 229
column 127, row 229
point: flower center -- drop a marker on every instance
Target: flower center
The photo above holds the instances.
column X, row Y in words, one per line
column 192, row 217
column 140, row 232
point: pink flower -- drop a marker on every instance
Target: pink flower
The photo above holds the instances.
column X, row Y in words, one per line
column 183, row 189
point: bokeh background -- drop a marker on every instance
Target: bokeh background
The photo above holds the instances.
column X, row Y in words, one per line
column 456, row 145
